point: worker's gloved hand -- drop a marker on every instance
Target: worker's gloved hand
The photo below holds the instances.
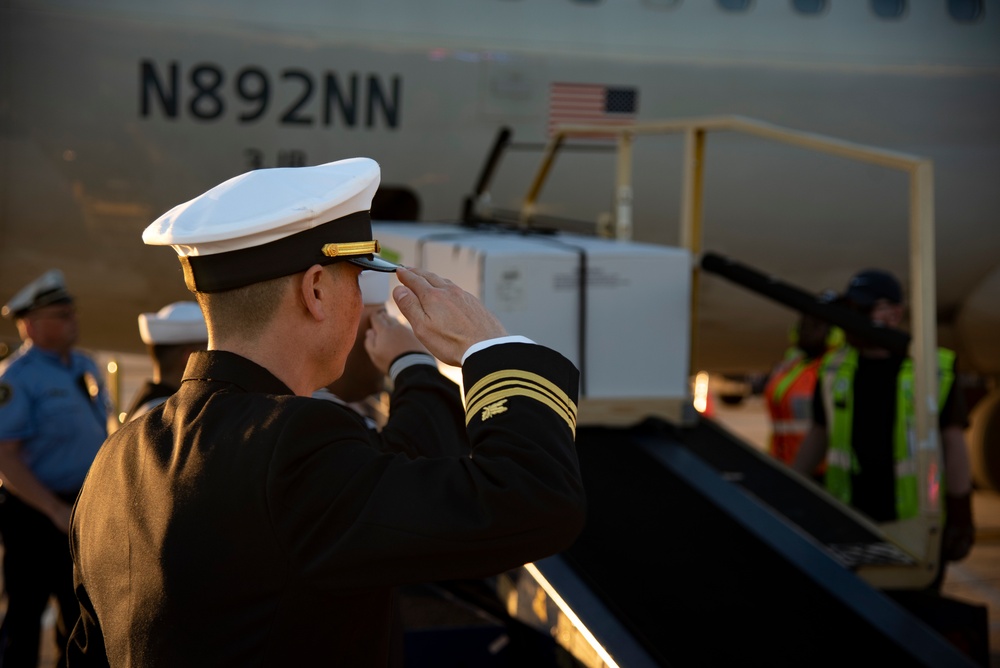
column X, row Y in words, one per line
column 959, row 532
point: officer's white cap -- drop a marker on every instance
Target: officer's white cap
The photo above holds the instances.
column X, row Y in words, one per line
column 47, row 289
column 374, row 287
column 273, row 222
column 180, row 322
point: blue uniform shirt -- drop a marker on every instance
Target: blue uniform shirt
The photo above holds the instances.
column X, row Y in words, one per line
column 47, row 406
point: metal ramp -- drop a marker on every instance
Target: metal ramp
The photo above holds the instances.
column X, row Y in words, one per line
column 700, row 552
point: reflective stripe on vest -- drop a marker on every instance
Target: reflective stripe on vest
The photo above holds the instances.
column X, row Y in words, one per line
column 786, row 427
column 837, row 377
column 788, row 393
column 779, row 391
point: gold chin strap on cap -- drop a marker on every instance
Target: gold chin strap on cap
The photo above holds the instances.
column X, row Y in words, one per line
column 352, row 248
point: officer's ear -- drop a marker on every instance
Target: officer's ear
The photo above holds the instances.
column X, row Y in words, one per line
column 316, row 292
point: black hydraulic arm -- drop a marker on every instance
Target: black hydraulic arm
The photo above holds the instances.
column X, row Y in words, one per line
column 489, row 168
column 806, row 302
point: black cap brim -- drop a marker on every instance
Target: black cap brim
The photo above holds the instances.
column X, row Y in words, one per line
column 373, row 263
column 50, row 298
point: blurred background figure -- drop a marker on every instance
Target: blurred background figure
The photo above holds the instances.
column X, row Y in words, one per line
column 53, row 419
column 862, row 422
column 362, row 384
column 171, row 335
column 790, row 386
column 383, row 349
column 385, row 366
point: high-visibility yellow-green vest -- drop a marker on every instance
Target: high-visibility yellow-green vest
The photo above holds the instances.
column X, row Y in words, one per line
column 837, row 377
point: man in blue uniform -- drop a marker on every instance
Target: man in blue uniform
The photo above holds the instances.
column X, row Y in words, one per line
column 53, row 419
column 258, row 526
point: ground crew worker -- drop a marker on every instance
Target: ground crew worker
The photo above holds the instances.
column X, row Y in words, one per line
column 53, row 418
column 789, row 388
column 862, row 423
column 171, row 335
column 260, row 526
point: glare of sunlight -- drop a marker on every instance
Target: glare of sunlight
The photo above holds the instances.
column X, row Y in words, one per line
column 701, row 392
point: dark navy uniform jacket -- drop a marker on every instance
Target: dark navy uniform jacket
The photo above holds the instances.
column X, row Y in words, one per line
column 149, row 396
column 240, row 525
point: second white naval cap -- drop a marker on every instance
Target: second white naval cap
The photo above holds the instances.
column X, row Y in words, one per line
column 177, row 323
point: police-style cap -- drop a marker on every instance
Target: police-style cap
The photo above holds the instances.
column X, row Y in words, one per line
column 270, row 223
column 46, row 290
column 868, row 286
column 177, row 323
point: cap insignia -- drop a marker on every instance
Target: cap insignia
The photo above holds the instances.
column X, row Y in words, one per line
column 351, row 248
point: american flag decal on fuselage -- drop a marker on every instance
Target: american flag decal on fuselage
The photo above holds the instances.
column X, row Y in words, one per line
column 502, row 385
column 591, row 104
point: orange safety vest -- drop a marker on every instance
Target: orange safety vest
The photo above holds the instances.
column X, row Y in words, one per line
column 789, row 395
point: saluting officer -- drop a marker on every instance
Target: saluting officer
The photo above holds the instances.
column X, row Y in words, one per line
column 256, row 525
column 53, row 419
column 171, row 335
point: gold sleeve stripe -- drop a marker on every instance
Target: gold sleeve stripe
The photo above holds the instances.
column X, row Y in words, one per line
column 544, row 384
column 541, row 397
column 480, row 398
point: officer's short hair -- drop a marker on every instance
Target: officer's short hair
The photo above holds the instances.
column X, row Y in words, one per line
column 244, row 312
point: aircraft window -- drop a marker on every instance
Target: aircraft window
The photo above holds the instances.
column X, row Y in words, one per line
column 888, row 9
column 735, row 5
column 965, row 10
column 809, row 6
column 662, row 4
